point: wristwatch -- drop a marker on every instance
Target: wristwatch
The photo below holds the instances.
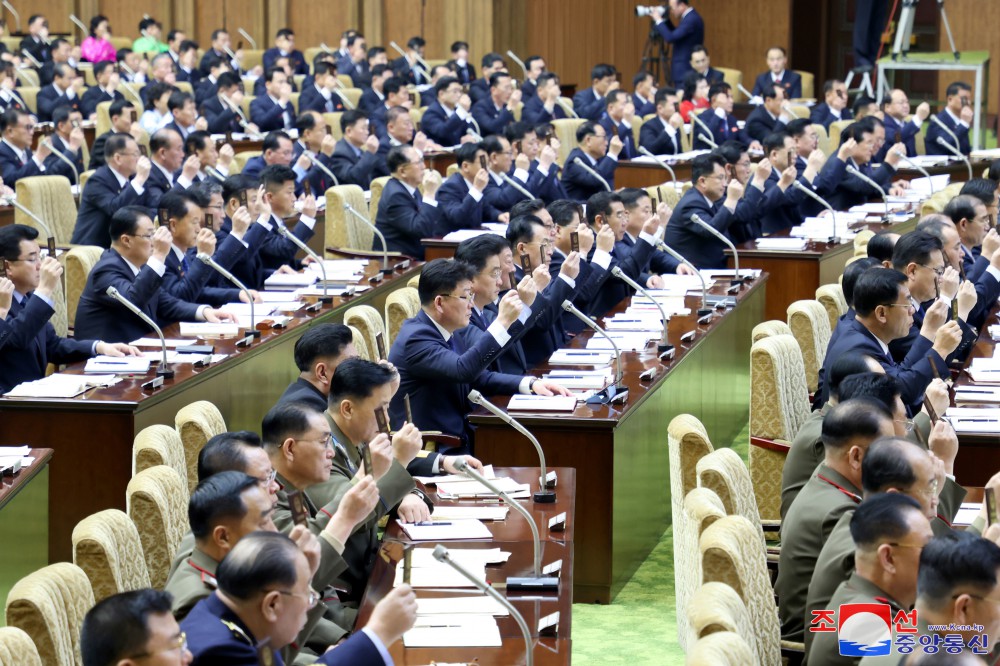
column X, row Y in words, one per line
column 531, row 384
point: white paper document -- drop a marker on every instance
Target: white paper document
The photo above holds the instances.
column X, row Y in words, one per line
column 60, row 385
column 977, row 394
column 470, row 489
column 208, row 329
column 477, row 605
column 470, row 513
column 540, row 403
column 449, row 478
column 155, row 342
column 441, row 531
column 124, row 365
column 580, row 357
column 286, row 281
column 781, row 244
column 967, row 513
column 470, row 633
column 974, row 419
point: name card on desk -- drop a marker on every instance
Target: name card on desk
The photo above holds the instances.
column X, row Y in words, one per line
column 552, row 568
column 581, row 357
column 208, row 329
column 557, row 523
column 549, row 625
column 540, row 403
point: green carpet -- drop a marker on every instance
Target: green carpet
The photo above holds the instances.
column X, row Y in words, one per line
column 640, row 626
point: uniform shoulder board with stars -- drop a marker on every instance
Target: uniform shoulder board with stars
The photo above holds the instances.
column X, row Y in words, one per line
column 237, row 631
column 265, row 655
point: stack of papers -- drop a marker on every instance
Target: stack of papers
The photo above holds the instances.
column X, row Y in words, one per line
column 580, row 379
column 967, row 513
column 174, row 357
column 540, row 403
column 11, row 455
column 977, row 394
column 478, row 605
column 928, row 186
column 125, row 365
column 60, row 385
column 261, row 311
column 927, row 161
column 155, row 342
column 974, row 419
column 454, row 631
column 442, row 513
column 781, row 244
column 580, row 357
column 445, row 531
column 487, row 473
column 473, row 489
column 626, row 341
column 209, row 330
column 288, row 282
column 465, row 234
column 878, row 208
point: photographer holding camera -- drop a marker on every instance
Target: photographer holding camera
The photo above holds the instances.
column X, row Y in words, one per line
column 684, row 29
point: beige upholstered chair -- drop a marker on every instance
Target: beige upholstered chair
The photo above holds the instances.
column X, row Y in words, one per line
column 734, row 78
column 80, row 260
column 716, row 607
column 294, row 99
column 414, row 281
column 251, row 58
column 30, row 97
column 16, row 648
column 28, row 77
column 49, row 605
column 345, row 80
column 836, row 128
column 84, row 177
column 353, row 95
column 400, row 305
column 240, row 160
column 376, row 187
column 723, row 472
column 158, row 445
column 157, row 504
column 808, row 83
column 701, row 507
column 344, row 230
column 823, row 142
column 361, row 345
column 565, row 131
column 666, row 193
column 332, row 121
column 811, row 327
column 369, row 322
column 779, row 403
column 50, row 198
column 731, row 554
column 722, row 648
column 800, row 110
column 861, row 242
column 196, row 424
column 687, row 443
column 766, row 329
column 106, row 546
column 831, row 296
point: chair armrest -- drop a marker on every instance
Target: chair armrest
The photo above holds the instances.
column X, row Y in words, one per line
column 776, row 445
column 792, row 653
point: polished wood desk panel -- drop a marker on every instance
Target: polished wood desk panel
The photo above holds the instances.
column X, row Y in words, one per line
column 24, row 519
column 93, row 433
column 514, row 536
column 797, row 275
column 978, row 454
column 620, row 452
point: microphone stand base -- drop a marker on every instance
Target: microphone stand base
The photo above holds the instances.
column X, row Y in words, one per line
column 834, row 240
column 544, row 497
column 325, row 300
column 663, row 347
column 532, row 583
column 736, row 283
column 166, row 373
column 704, row 311
column 254, row 332
column 607, row 395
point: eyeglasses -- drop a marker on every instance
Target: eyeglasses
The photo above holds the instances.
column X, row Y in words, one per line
column 271, row 476
column 976, row 596
column 907, row 424
column 908, row 306
column 148, row 237
column 466, row 297
column 495, row 274
column 178, row 643
column 326, row 440
column 937, row 271
column 919, row 546
column 930, row 491
column 312, row 598
column 30, row 260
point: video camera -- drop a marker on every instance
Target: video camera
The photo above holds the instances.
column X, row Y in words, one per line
column 647, row 10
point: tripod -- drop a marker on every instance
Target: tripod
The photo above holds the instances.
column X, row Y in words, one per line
column 655, row 56
column 904, row 30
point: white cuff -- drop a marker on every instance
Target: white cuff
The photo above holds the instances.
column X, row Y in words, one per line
column 649, row 238
column 525, row 314
column 184, row 181
column 601, row 258
column 720, row 113
column 521, row 174
column 382, row 651
column 462, row 113
column 224, row 170
column 994, row 272
column 308, row 221
column 200, row 314
column 568, row 280
column 499, row 333
column 612, row 157
column 139, row 189
column 525, row 386
column 543, row 169
column 40, row 163
column 265, row 222
column 475, row 194
column 158, row 266
column 430, row 202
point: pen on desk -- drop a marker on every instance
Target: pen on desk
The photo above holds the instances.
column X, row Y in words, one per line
column 426, row 523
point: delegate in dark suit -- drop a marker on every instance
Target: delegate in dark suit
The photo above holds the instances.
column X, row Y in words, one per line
column 38, row 49
column 822, row 115
column 188, row 279
column 844, row 190
column 535, row 113
column 312, row 99
column 491, row 119
column 101, row 197
column 692, row 241
column 28, row 343
column 588, row 104
column 404, row 219
column 260, row 90
column 633, row 261
column 268, row 115
column 56, row 167
column 94, row 96
column 654, row 137
column 353, row 166
column 276, row 250
column 591, row 278
column 439, row 374
column 723, row 129
column 760, row 123
column 624, row 133
column 688, row 33
column 790, row 81
column 581, row 185
column 370, row 100
column 216, row 635
column 49, row 98
column 934, row 132
column 248, row 269
column 296, row 60
column 103, row 318
column 459, row 209
column 642, row 107
column 221, row 119
column 441, row 128
column 779, row 210
column 13, row 167
column 500, row 197
column 899, row 131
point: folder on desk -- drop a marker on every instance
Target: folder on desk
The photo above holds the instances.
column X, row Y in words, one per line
column 580, row 357
column 440, row 531
column 477, row 605
column 473, row 558
column 474, row 631
column 208, row 329
column 125, row 365
column 977, row 394
column 60, row 385
column 541, row 403
column 474, row 489
column 289, row 281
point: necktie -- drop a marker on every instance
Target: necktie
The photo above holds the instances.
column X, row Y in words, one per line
column 184, row 265
column 725, row 126
column 453, row 344
column 416, row 197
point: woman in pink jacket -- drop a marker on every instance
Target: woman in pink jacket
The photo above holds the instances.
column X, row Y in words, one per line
column 97, row 47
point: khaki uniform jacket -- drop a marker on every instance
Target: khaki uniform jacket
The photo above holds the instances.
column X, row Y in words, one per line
column 824, row 648
column 810, row 519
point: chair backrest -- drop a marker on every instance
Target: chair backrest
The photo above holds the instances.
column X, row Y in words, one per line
column 800, row 110
column 343, row 229
column 831, row 296
column 734, row 78
column 368, row 321
column 565, row 131
column 252, row 58
column 779, row 401
column 106, row 546
column 451, row 170
column 60, row 318
column 240, row 160
column 361, row 345
column 811, row 327
column 85, row 176
column 332, row 121
column 157, row 504
column 158, row 445
column 50, row 198
column 353, row 95
column 766, row 329
column 808, row 83
column 666, row 193
column 724, row 473
column 716, row 607
column 836, row 128
column 30, row 96
column 80, row 260
column 196, row 424
column 823, row 139
column 687, row 442
column 376, row 187
column 701, row 508
column 732, row 553
column 29, row 77
column 49, row 606
column 16, row 648
column 294, row 99
column 417, row 115
column 723, row 648
column 414, row 281
column 400, row 305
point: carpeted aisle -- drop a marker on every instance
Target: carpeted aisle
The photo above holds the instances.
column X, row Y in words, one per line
column 639, row 627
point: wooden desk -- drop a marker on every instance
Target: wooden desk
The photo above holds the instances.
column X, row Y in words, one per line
column 514, row 536
column 620, row 452
column 978, row 454
column 24, row 524
column 93, row 433
column 796, row 275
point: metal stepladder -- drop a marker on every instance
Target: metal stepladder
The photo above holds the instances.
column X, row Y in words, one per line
column 904, row 29
column 866, row 74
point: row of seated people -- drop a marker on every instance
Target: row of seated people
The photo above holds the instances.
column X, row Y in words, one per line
column 916, row 305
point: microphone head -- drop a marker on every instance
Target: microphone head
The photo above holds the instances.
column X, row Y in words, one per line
column 696, row 219
column 475, row 396
column 204, row 258
column 460, row 463
column 942, row 142
column 645, row 151
column 616, row 271
column 347, row 206
column 567, row 306
column 112, row 292
column 440, row 553
column 577, row 160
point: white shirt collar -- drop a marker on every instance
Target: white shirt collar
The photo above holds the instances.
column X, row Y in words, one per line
column 170, row 176
column 179, row 253
column 121, row 179
column 409, row 189
column 21, row 154
column 775, row 77
column 132, row 267
column 444, row 334
column 955, row 118
column 668, row 127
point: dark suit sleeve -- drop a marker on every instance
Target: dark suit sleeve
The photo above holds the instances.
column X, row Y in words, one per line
column 12, row 171
column 353, row 172
column 487, row 123
column 428, row 357
column 587, row 106
column 265, row 114
column 440, row 128
column 18, row 331
column 458, row 211
column 796, row 88
column 219, row 122
column 358, row 649
column 101, row 196
column 399, row 214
